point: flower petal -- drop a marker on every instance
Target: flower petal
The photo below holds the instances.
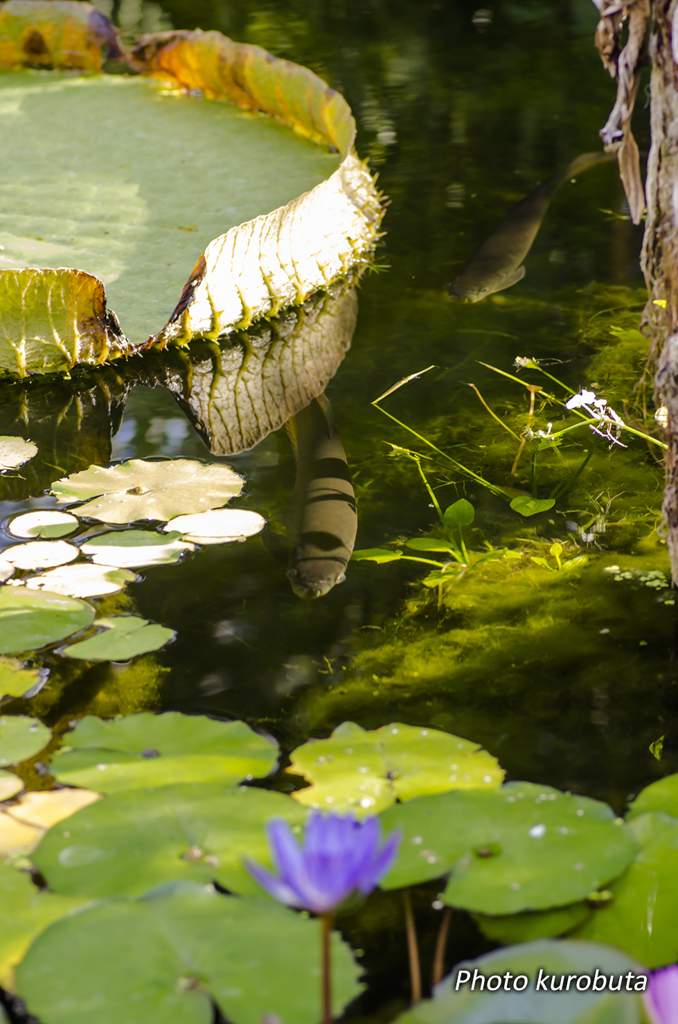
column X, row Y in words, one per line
column 381, row 864
column 273, row 885
column 661, row 998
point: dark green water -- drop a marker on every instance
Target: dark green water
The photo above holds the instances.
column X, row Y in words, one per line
column 566, row 678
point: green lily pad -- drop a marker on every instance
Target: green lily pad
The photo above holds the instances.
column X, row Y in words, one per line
column 658, row 796
column 158, row 750
column 30, row 619
column 21, row 738
column 520, row 847
column 455, row 1003
column 367, row 771
column 376, row 555
column 25, row 912
column 641, row 918
column 123, row 637
column 10, row 785
column 141, row 489
column 129, row 842
column 163, row 959
column 531, row 506
column 540, row 924
column 18, row 681
column 44, row 523
column 462, row 513
column 14, row 452
column 82, row 580
column 136, row 548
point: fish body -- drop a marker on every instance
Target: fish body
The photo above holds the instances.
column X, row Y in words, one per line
column 322, row 519
column 497, row 263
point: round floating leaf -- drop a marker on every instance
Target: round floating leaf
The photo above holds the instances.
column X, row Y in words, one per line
column 41, row 554
column 21, row 738
column 158, row 750
column 82, row 580
column 17, row 681
column 218, row 526
column 659, row 796
column 540, row 924
column 45, row 523
column 14, row 452
column 376, row 555
column 641, row 917
column 367, row 771
column 455, row 1003
column 123, row 637
column 162, row 958
column 131, row 841
column 462, row 513
column 25, row 912
column 10, row 785
column 520, row 847
column 30, row 619
column 17, row 839
column 140, row 489
column 6, row 570
column 531, row 506
column 135, row 548
column 24, row 823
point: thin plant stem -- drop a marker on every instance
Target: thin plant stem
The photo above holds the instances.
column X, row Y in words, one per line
column 563, row 486
column 493, row 414
column 441, row 945
column 514, row 467
column 430, row 492
column 326, row 934
column 533, row 475
column 412, row 949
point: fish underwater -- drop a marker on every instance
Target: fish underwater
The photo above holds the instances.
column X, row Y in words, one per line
column 322, row 519
column 498, row 262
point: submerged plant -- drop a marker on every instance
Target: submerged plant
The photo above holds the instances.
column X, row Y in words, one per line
column 340, row 857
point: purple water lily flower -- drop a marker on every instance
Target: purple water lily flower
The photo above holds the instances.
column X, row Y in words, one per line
column 339, row 856
column 661, row 998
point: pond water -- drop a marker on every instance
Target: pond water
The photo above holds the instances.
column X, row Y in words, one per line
column 567, row 676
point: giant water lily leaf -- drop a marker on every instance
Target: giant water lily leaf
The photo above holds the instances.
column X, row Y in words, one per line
column 641, row 917
column 520, row 847
column 18, row 681
column 46, row 523
column 136, row 548
column 658, row 796
column 55, row 33
column 140, row 489
column 82, row 580
column 163, row 958
column 41, row 554
column 367, row 771
column 14, row 452
column 123, row 637
column 157, row 750
column 540, row 924
column 557, row 960
column 30, row 619
column 10, row 785
column 21, row 738
column 25, row 912
column 131, row 841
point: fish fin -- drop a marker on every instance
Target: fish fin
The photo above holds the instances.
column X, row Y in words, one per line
column 291, row 428
column 512, row 279
column 275, row 544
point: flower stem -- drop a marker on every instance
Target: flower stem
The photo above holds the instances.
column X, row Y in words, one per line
column 412, row 949
column 439, row 958
column 326, row 933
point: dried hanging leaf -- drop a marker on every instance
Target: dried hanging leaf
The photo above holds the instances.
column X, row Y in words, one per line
column 55, row 33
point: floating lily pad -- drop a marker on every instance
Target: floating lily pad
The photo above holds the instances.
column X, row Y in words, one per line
column 531, row 506
column 163, row 959
column 157, row 750
column 141, row 489
column 14, row 452
column 367, row 771
column 30, row 619
column 17, row 838
column 376, row 555
column 82, row 580
column 452, row 1005
column 25, row 912
column 46, row 807
column 6, row 570
column 10, row 785
column 18, row 681
column 520, row 847
column 218, row 526
column 641, row 917
column 136, row 548
column 41, row 554
column 21, row 738
column 123, row 637
column 44, row 523
column 132, row 841
column 540, row 924
column 659, row 796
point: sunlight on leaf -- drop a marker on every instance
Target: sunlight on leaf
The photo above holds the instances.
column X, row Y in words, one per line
column 82, row 580
column 376, row 555
column 46, row 523
column 123, row 637
column 31, row 619
column 218, row 526
column 41, row 554
column 10, row 784
column 14, row 452
column 134, row 549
